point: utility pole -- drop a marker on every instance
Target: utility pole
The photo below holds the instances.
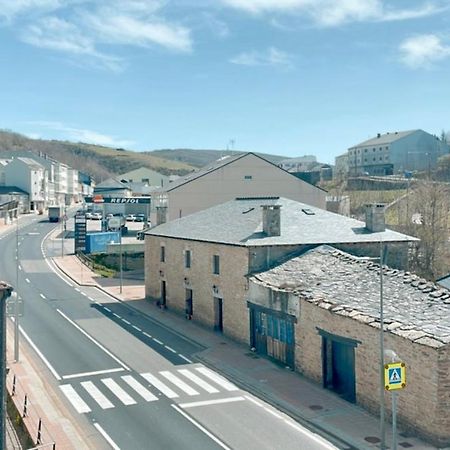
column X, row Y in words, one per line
column 5, row 292
column 382, row 408
column 16, row 304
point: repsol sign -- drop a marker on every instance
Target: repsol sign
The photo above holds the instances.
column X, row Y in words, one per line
column 118, row 200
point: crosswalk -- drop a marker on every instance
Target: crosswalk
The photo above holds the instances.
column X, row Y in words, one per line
column 107, row 393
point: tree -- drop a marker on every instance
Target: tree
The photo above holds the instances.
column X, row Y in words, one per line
column 430, row 208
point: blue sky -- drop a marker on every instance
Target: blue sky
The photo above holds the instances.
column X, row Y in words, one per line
column 288, row 77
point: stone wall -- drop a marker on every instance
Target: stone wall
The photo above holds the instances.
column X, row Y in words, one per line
column 423, row 406
column 231, row 284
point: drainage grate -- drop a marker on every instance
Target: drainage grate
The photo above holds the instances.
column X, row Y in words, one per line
column 315, row 407
column 372, row 439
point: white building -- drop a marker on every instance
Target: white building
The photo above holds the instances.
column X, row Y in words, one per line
column 31, row 177
column 395, row 152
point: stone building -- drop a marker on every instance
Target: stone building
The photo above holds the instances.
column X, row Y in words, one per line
column 199, row 264
column 320, row 314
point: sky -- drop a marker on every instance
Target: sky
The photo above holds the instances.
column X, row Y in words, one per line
column 285, row 77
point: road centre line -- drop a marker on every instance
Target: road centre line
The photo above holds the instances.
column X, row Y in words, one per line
column 201, row 428
column 184, row 357
column 42, row 296
column 106, row 436
column 136, row 328
column 93, row 340
column 40, row 354
column 126, row 321
column 158, row 341
column 20, row 267
column 211, row 402
column 77, row 290
column 91, row 299
column 117, row 315
column 170, row 349
column 106, row 309
column 27, row 280
column 88, row 374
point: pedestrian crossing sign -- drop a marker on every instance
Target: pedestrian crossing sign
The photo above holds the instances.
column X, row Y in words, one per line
column 394, row 376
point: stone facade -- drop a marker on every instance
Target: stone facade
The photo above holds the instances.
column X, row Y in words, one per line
column 328, row 291
column 230, row 284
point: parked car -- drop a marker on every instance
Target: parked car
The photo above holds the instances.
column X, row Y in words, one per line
column 97, row 216
column 88, row 215
column 130, row 217
column 139, row 218
column 109, row 215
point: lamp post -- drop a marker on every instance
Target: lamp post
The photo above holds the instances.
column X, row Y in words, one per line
column 5, row 292
column 120, row 260
column 382, row 408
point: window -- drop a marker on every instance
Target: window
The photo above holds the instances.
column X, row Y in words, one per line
column 145, row 180
column 365, row 150
column 248, row 177
column 162, row 256
column 187, row 259
column 216, row 264
column 374, row 149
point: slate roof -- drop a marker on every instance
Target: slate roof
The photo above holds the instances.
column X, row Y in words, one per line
column 386, row 138
column 239, row 222
column 112, row 183
column 33, row 164
column 350, row 286
column 12, row 190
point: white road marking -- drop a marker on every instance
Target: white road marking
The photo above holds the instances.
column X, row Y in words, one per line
column 211, row 402
column 106, row 309
column 141, row 390
column 201, row 428
column 82, row 293
column 254, row 401
column 158, row 341
column 40, row 354
column 179, row 383
column 93, row 340
column 106, row 436
column 270, row 411
column 136, row 328
column 43, row 296
column 27, row 280
column 20, row 267
column 159, row 385
column 118, row 391
column 126, row 321
column 77, row 402
column 184, row 357
column 146, row 334
column 217, row 379
column 197, row 380
column 88, row 374
column 116, row 315
column 91, row 299
column 170, row 349
column 77, row 290
column 95, row 393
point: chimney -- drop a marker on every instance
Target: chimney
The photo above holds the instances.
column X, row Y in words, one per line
column 378, row 135
column 271, row 220
column 375, row 217
column 161, row 215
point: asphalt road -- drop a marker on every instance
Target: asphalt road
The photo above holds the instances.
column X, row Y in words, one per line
column 130, row 378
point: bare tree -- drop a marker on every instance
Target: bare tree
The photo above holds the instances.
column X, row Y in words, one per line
column 430, row 207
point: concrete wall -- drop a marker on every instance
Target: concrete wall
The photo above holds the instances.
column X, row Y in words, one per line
column 230, row 182
column 231, row 283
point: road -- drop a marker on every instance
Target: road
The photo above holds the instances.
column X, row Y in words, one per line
column 125, row 375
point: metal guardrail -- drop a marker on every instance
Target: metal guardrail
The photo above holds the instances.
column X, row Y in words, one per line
column 38, row 432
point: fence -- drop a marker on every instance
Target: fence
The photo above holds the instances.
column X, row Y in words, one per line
column 28, row 415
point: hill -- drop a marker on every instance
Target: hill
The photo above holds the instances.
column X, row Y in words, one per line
column 95, row 160
column 201, row 158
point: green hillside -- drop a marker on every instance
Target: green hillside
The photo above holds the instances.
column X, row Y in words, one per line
column 95, row 160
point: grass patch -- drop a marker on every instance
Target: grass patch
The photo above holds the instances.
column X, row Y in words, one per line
column 18, row 424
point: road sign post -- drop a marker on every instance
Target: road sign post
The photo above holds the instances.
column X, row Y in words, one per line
column 394, row 379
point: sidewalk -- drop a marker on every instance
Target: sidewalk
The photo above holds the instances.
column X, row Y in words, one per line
column 42, row 403
column 343, row 423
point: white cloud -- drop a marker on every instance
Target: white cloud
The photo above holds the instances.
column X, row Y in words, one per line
column 271, row 57
column 111, row 28
column 83, row 135
column 59, row 35
column 423, row 50
column 333, row 13
column 10, row 8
